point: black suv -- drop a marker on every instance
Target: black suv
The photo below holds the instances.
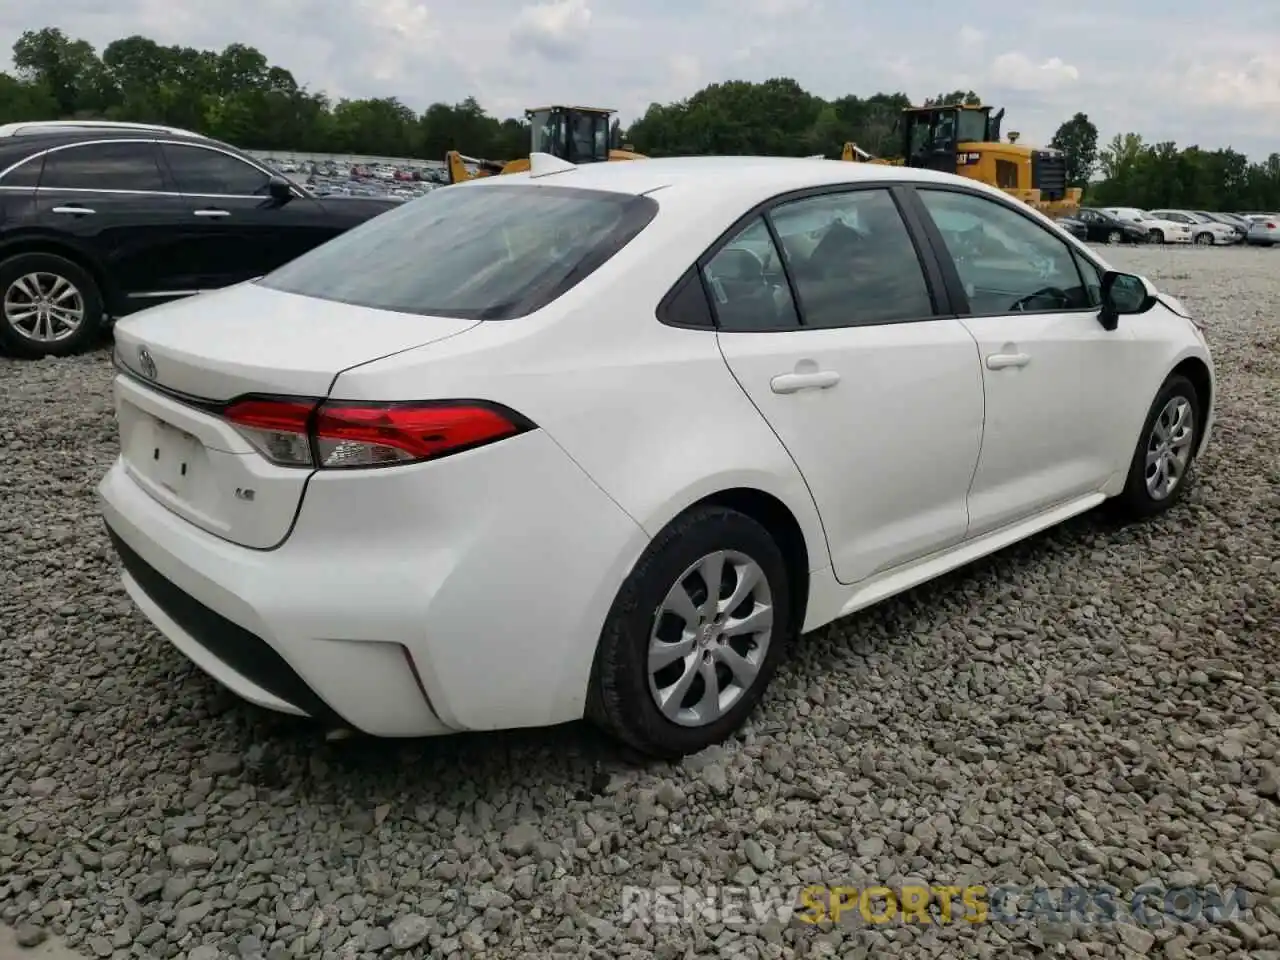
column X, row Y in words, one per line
column 100, row 220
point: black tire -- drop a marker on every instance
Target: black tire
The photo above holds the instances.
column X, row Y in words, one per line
column 620, row 701
column 1157, row 236
column 13, row 341
column 1203, row 239
column 1136, row 501
column 1115, row 236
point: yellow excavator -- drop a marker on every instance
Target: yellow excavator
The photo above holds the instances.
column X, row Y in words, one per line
column 965, row 140
column 575, row 134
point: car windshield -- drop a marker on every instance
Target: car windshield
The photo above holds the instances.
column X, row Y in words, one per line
column 472, row 251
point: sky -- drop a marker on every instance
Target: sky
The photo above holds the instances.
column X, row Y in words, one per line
column 1184, row 70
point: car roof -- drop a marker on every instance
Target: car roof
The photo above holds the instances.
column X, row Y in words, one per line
column 44, row 138
column 743, row 176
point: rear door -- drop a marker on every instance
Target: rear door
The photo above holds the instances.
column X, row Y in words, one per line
column 111, row 199
column 232, row 229
column 843, row 343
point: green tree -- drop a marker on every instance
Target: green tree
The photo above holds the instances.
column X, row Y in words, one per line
column 236, row 94
column 1078, row 141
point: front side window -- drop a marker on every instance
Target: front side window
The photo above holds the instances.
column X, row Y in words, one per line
column 1007, row 262
column 473, row 251
column 852, row 260
column 748, row 288
column 124, row 165
column 201, row 171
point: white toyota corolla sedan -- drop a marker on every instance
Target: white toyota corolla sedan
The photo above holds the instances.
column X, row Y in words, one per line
column 603, row 440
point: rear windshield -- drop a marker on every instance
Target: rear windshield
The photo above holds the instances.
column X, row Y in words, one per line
column 481, row 252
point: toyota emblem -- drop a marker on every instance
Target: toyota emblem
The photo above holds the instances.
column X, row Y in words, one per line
column 147, row 363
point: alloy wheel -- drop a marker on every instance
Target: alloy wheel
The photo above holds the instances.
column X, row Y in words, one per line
column 44, row 307
column 709, row 638
column 1169, row 447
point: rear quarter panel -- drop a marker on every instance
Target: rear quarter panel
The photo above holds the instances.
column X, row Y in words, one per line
column 650, row 412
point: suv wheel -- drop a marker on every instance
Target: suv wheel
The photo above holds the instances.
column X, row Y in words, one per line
column 49, row 306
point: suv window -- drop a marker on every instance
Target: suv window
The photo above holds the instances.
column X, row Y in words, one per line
column 26, row 174
column 747, row 284
column 1007, row 262
column 489, row 252
column 852, row 260
column 200, row 170
column 126, row 165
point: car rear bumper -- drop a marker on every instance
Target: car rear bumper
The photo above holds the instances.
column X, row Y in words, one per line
column 466, row 594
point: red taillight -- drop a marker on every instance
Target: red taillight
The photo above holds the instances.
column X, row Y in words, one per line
column 1271, row 226
column 336, row 434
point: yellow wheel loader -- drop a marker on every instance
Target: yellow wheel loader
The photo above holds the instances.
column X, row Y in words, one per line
column 965, row 140
column 575, row 134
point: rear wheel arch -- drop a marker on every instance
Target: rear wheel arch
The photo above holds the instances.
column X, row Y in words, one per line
column 37, row 244
column 777, row 518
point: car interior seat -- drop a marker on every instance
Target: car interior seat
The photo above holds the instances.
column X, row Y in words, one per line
column 744, row 297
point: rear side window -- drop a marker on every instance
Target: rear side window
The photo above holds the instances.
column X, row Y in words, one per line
column 26, row 174
column 104, row 166
column 473, row 251
column 852, row 260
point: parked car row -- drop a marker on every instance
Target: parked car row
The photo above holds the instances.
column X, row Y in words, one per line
column 1201, row 227
column 328, row 178
column 98, row 220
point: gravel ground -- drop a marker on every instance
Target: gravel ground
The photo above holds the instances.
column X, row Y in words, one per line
column 1094, row 707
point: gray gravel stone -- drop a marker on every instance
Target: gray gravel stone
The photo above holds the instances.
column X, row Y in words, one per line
column 1097, row 706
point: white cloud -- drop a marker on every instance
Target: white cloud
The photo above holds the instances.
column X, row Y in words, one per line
column 1255, row 84
column 684, row 71
column 555, row 28
column 1214, row 82
column 1017, row 71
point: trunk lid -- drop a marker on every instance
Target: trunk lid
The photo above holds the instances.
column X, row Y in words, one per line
column 183, row 360
column 251, row 339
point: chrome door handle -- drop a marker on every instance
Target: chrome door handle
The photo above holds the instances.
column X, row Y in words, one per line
column 212, row 213
column 999, row 361
column 794, row 382
column 74, row 211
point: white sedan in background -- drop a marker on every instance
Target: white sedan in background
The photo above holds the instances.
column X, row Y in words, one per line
column 1205, row 231
column 603, row 440
column 1159, row 230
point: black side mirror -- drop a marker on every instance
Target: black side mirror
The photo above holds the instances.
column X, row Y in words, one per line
column 278, row 188
column 1124, row 294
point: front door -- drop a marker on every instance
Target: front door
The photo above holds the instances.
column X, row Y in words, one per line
column 877, row 397
column 1048, row 365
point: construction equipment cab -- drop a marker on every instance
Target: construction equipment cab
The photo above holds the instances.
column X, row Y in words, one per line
column 575, row 134
column 965, row 140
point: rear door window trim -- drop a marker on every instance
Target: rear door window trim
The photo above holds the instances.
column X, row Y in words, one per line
column 898, row 191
